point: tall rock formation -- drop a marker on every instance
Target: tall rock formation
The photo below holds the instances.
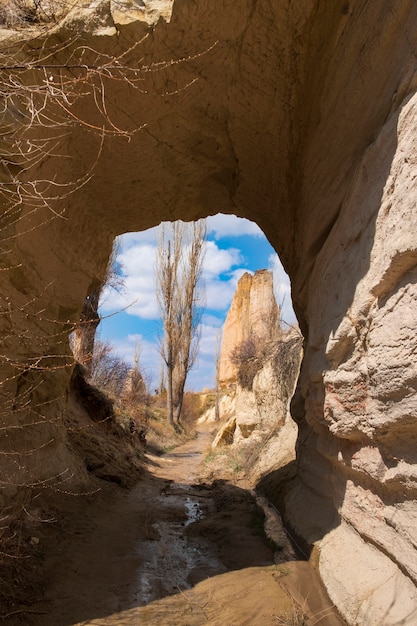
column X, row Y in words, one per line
column 253, row 314
column 259, row 381
column 256, row 414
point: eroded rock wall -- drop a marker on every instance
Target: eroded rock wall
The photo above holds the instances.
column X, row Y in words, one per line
column 300, row 116
column 264, row 429
column 359, row 381
column 253, row 315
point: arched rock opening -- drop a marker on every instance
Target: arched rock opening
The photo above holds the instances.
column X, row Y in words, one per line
column 301, row 117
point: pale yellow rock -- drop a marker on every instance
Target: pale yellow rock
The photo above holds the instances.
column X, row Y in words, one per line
column 149, row 11
column 227, row 409
column 225, row 434
column 253, row 315
column 364, row 582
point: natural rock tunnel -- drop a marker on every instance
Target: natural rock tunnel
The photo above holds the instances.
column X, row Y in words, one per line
column 299, row 116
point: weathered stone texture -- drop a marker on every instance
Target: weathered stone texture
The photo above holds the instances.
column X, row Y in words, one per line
column 368, row 386
column 301, row 116
column 263, row 421
column 253, row 315
column 256, row 420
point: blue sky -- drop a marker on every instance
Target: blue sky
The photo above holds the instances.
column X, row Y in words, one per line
column 234, row 246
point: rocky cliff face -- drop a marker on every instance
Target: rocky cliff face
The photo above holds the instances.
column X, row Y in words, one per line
column 301, row 116
column 255, row 414
column 258, row 369
column 253, row 315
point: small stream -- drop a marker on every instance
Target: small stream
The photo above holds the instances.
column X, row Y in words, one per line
column 174, row 558
column 172, row 552
column 170, row 560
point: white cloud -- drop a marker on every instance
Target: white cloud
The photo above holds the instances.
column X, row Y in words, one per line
column 212, row 320
column 217, row 261
column 208, row 339
column 221, row 275
column 139, row 261
column 138, row 294
column 219, row 293
column 231, row 226
column 203, row 374
column 220, row 225
column 221, row 271
column 128, row 240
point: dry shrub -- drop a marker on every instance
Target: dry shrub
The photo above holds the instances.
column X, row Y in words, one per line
column 296, row 617
column 12, row 13
column 249, row 356
column 108, row 371
column 191, row 410
column 209, row 401
column 16, row 13
column 286, row 357
column 161, row 435
column 20, row 557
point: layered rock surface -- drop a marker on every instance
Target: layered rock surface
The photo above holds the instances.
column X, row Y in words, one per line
column 256, row 418
column 253, row 315
column 300, row 116
column 258, row 368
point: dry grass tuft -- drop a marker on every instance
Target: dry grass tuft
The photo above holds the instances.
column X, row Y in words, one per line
column 296, row 617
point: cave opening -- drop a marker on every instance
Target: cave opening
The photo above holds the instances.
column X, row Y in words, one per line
column 247, row 338
column 129, row 310
column 205, row 479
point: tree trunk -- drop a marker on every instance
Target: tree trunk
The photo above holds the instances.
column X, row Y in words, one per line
column 170, row 389
column 178, row 394
column 85, row 331
column 179, row 261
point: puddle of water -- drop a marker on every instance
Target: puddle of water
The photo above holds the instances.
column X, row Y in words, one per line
column 175, row 559
column 193, row 510
column 170, row 561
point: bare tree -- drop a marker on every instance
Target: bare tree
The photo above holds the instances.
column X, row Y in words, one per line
column 217, row 355
column 108, row 371
column 179, row 260
column 135, row 389
column 85, row 331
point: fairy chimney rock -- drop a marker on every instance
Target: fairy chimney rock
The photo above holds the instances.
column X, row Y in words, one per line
column 252, row 314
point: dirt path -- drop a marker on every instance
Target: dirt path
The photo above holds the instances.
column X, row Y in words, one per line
column 169, row 552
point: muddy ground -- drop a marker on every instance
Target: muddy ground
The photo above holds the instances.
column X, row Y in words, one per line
column 171, row 551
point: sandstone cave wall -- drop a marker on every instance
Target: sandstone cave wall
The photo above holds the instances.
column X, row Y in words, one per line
column 356, row 397
column 300, row 116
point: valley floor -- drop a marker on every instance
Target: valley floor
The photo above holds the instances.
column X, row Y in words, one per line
column 171, row 551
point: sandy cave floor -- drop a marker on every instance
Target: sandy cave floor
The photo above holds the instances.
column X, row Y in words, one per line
column 171, row 551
